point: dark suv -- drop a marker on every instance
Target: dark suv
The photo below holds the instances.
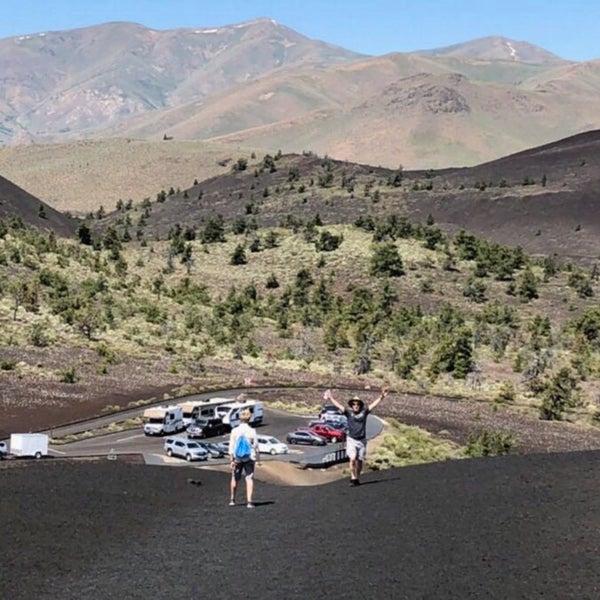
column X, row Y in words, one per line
column 201, row 428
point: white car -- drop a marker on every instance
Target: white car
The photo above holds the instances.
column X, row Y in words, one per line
column 271, row 445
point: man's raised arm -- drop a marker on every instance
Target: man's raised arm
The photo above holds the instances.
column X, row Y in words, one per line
column 329, row 397
column 382, row 395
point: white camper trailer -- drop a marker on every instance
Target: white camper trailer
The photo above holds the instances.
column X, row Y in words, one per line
column 34, row 445
column 163, row 420
column 230, row 413
column 206, row 409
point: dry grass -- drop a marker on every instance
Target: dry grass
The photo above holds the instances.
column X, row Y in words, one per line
column 79, row 177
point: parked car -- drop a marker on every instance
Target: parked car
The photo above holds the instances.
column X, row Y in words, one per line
column 271, row 445
column 201, row 428
column 305, row 436
column 185, row 448
column 214, row 450
column 332, row 434
column 329, row 409
column 337, row 421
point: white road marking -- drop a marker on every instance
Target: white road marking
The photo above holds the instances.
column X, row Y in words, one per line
column 169, row 459
column 56, row 451
column 131, row 437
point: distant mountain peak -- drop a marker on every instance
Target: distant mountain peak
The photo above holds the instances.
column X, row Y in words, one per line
column 497, row 47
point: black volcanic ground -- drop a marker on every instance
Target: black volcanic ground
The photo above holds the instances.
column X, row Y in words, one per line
column 506, row 528
column 15, row 201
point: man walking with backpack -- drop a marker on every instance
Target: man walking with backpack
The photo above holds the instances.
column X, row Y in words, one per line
column 243, row 451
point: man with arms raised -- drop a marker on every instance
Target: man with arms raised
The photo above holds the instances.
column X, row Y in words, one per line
column 356, row 443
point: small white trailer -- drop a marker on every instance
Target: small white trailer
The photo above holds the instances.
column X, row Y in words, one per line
column 33, row 445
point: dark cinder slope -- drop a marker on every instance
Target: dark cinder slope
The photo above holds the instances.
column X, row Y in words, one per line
column 545, row 199
column 513, row 527
column 16, row 202
column 550, row 205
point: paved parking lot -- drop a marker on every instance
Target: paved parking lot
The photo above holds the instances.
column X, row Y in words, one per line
column 277, row 423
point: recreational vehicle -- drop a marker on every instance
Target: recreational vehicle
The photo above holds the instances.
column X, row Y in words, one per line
column 230, row 413
column 162, row 420
column 206, row 409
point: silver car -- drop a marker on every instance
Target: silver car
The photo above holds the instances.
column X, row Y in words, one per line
column 305, row 437
column 185, row 448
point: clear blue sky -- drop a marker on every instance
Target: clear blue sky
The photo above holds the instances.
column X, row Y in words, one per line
column 569, row 28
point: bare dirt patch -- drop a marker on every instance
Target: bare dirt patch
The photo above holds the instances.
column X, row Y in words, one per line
column 278, row 472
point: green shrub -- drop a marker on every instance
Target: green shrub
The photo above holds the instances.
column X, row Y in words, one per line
column 488, row 443
column 69, row 375
column 39, row 336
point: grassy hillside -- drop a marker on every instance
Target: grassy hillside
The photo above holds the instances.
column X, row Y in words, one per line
column 479, row 284
column 79, row 177
column 386, row 302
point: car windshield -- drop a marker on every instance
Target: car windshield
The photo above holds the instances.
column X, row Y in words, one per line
column 193, row 445
column 273, row 441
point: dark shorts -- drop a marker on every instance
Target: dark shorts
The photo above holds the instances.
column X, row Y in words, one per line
column 245, row 468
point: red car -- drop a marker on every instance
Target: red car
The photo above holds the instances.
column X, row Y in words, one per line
column 331, row 434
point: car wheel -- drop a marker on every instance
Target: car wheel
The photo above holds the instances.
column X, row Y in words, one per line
column 273, row 452
column 38, row 454
column 169, row 452
column 315, row 443
column 188, row 457
column 334, row 439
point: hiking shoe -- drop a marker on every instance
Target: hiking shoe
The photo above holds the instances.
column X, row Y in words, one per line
column 232, row 503
column 250, row 505
column 354, row 482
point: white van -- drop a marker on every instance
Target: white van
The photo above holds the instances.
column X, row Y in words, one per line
column 162, row 420
column 230, row 413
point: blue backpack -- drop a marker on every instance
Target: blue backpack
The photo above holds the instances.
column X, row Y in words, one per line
column 243, row 449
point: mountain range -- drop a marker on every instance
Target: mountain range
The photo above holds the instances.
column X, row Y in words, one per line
column 261, row 84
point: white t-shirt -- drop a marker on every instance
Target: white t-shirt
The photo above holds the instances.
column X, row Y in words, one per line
column 250, row 433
